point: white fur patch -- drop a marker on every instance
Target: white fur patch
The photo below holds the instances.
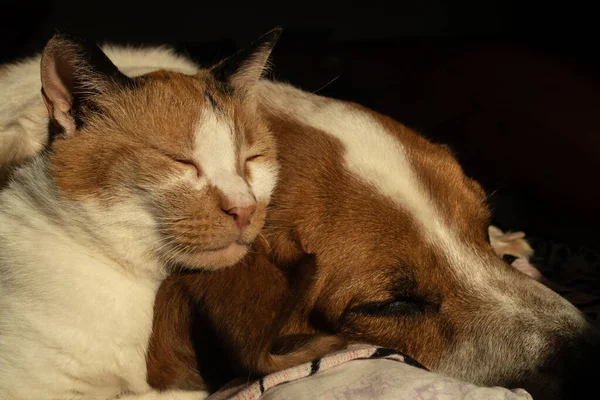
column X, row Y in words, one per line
column 263, row 179
column 71, row 317
column 135, row 61
column 77, row 289
column 216, row 153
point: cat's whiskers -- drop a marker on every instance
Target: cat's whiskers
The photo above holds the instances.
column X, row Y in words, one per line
column 266, row 241
column 163, row 243
column 172, row 253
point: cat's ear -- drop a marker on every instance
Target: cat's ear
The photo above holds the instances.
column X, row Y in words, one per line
column 242, row 70
column 73, row 71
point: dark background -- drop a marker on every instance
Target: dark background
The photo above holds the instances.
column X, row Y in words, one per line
column 511, row 86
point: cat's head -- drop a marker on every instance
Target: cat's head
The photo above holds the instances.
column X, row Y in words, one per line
column 186, row 161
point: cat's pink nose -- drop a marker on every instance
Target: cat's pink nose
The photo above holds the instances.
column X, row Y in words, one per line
column 242, row 215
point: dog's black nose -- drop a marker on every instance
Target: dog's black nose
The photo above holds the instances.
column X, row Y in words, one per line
column 582, row 376
column 571, row 371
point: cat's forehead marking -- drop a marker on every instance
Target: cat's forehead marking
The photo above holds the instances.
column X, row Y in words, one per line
column 214, row 143
column 202, row 115
column 217, row 152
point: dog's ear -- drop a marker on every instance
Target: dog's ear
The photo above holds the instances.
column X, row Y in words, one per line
column 242, row 70
column 73, row 71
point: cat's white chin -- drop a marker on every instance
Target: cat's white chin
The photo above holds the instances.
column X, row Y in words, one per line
column 215, row 259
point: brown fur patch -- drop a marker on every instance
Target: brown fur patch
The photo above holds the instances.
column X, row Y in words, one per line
column 219, row 340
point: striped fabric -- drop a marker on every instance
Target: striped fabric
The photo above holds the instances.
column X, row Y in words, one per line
column 255, row 389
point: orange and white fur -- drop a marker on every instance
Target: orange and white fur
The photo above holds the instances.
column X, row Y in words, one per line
column 145, row 173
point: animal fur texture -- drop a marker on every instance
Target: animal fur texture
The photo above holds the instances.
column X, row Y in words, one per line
column 376, row 235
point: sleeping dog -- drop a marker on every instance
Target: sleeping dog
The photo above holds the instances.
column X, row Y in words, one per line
column 376, row 234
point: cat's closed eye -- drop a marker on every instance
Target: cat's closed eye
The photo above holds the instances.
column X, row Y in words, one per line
column 254, row 157
column 189, row 164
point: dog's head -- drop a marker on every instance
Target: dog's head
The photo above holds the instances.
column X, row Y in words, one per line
column 399, row 236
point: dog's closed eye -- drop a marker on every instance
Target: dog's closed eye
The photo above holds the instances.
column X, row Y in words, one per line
column 397, row 307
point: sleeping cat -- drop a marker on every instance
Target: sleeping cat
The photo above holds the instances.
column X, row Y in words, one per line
column 145, row 174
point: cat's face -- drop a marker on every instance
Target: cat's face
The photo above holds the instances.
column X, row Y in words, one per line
column 189, row 153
